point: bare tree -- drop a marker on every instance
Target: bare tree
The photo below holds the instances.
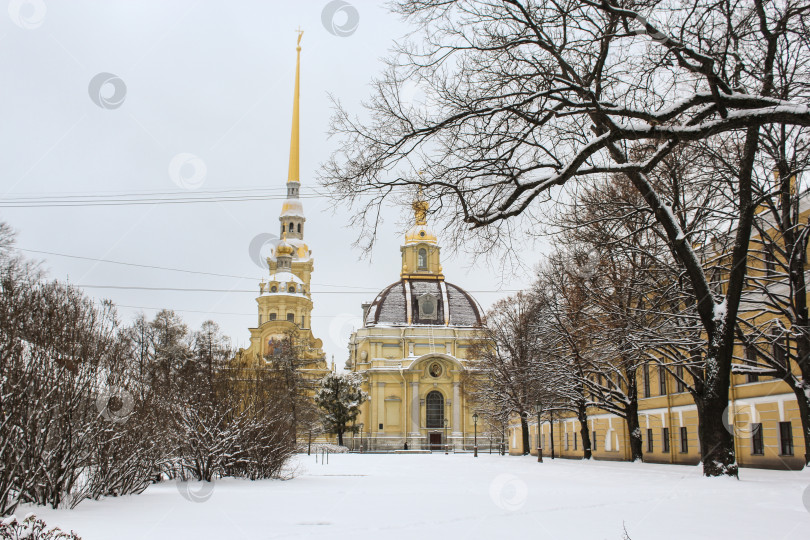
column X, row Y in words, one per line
column 502, row 375
column 774, row 326
column 523, row 96
column 89, row 409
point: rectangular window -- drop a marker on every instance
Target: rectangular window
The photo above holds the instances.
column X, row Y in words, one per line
column 291, row 317
column 785, row 439
column 302, row 322
column 662, row 380
column 680, row 385
column 665, row 439
column 650, row 447
column 421, row 263
column 272, row 316
column 566, row 441
column 646, row 375
column 757, row 442
column 594, row 438
column 575, row 440
column 770, row 261
column 780, row 347
column 684, row 440
column 751, row 360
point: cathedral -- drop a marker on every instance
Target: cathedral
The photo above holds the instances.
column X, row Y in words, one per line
column 285, row 299
column 412, row 352
column 413, row 345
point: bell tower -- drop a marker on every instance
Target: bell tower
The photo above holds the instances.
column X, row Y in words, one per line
column 284, row 327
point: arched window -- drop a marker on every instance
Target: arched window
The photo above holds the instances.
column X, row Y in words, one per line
column 299, row 227
column 422, row 262
column 292, row 227
column 434, row 417
column 291, row 317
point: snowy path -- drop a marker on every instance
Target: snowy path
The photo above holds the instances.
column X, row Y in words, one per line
column 457, row 496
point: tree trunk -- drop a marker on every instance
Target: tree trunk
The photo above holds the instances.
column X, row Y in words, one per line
column 524, row 427
column 801, row 384
column 803, row 400
column 585, row 434
column 631, row 414
column 340, row 437
column 636, row 452
column 716, row 442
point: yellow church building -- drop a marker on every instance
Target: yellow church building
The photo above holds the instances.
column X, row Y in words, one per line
column 412, row 351
column 285, row 298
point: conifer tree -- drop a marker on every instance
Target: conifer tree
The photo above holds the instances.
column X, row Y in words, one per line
column 340, row 397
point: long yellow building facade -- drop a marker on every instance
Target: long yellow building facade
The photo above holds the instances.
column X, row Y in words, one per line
column 763, row 413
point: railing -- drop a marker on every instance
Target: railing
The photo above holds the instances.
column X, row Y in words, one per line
column 457, row 447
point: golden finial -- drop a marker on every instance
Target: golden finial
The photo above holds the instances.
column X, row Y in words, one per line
column 300, row 33
column 420, row 208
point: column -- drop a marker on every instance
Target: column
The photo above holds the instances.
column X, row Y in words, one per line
column 415, row 409
column 456, row 409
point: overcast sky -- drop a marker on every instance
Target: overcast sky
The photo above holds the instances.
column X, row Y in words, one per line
column 197, row 102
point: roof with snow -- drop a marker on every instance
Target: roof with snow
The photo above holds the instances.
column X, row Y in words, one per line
column 398, row 304
column 292, row 208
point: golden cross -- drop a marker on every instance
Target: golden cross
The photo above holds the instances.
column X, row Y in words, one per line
column 300, row 33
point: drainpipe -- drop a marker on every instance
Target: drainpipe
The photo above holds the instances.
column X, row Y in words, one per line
column 732, row 418
column 404, row 401
column 670, row 442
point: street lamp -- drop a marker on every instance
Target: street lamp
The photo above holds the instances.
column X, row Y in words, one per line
column 475, row 443
column 538, row 408
column 360, row 425
column 445, row 436
column 551, row 423
column 354, row 432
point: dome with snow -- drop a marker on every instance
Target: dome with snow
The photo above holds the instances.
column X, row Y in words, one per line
column 423, row 302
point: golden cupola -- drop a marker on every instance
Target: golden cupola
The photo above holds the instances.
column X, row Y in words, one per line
column 283, row 248
column 420, row 254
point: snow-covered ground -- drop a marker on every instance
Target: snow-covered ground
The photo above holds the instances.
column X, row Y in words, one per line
column 458, row 497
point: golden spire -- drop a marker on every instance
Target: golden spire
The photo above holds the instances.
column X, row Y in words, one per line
column 293, row 175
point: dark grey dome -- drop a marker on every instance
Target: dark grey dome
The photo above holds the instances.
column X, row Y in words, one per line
column 423, row 302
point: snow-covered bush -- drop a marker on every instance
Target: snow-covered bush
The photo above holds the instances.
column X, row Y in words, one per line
column 93, row 409
column 32, row 528
column 317, row 448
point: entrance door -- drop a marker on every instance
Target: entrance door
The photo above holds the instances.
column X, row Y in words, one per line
column 435, row 441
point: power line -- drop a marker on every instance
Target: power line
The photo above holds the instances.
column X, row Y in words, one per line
column 194, row 289
column 180, row 289
column 186, row 199
column 183, row 270
column 212, row 312
column 142, row 193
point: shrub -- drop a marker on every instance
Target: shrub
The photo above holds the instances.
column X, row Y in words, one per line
column 32, row 528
